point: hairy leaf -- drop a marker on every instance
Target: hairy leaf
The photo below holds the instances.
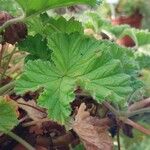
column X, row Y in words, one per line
column 125, row 55
column 36, row 6
column 76, row 61
column 36, row 46
column 8, row 116
column 62, row 25
column 127, row 58
column 116, row 30
column 144, row 60
column 50, row 25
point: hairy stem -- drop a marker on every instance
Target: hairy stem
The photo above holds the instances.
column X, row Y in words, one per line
column 140, row 104
column 140, row 111
column 21, row 141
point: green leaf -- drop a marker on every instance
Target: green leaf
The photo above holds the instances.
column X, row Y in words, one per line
column 79, row 147
column 36, row 46
column 31, row 7
column 8, row 116
column 62, row 25
column 144, row 60
column 50, row 25
column 77, row 61
column 125, row 55
column 116, row 30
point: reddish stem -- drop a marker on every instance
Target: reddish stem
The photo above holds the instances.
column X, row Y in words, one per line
column 140, row 104
column 137, row 126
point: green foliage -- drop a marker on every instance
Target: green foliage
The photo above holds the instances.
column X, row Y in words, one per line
column 62, row 25
column 116, row 30
column 8, row 116
column 127, row 58
column 36, row 46
column 79, row 147
column 41, row 27
column 46, row 25
column 145, row 77
column 125, row 55
column 10, row 6
column 144, row 60
column 95, row 21
column 31, row 7
column 77, row 61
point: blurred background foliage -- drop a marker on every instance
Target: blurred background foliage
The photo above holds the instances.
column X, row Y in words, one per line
column 10, row 6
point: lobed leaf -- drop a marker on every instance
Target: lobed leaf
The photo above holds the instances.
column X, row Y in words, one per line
column 76, row 61
column 46, row 25
column 36, row 46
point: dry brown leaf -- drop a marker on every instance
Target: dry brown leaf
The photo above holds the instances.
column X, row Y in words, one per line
column 93, row 136
column 34, row 114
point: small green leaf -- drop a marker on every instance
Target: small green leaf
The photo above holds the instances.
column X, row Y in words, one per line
column 36, row 46
column 76, row 61
column 31, row 7
column 62, row 25
column 116, row 30
column 50, row 26
column 8, row 116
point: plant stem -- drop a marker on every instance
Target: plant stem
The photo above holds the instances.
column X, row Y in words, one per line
column 7, row 87
column 140, row 111
column 137, row 126
column 1, row 53
column 31, row 123
column 111, row 108
column 21, row 141
column 140, row 104
column 118, row 138
column 36, row 108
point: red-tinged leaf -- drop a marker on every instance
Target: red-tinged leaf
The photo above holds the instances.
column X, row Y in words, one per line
column 93, row 136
